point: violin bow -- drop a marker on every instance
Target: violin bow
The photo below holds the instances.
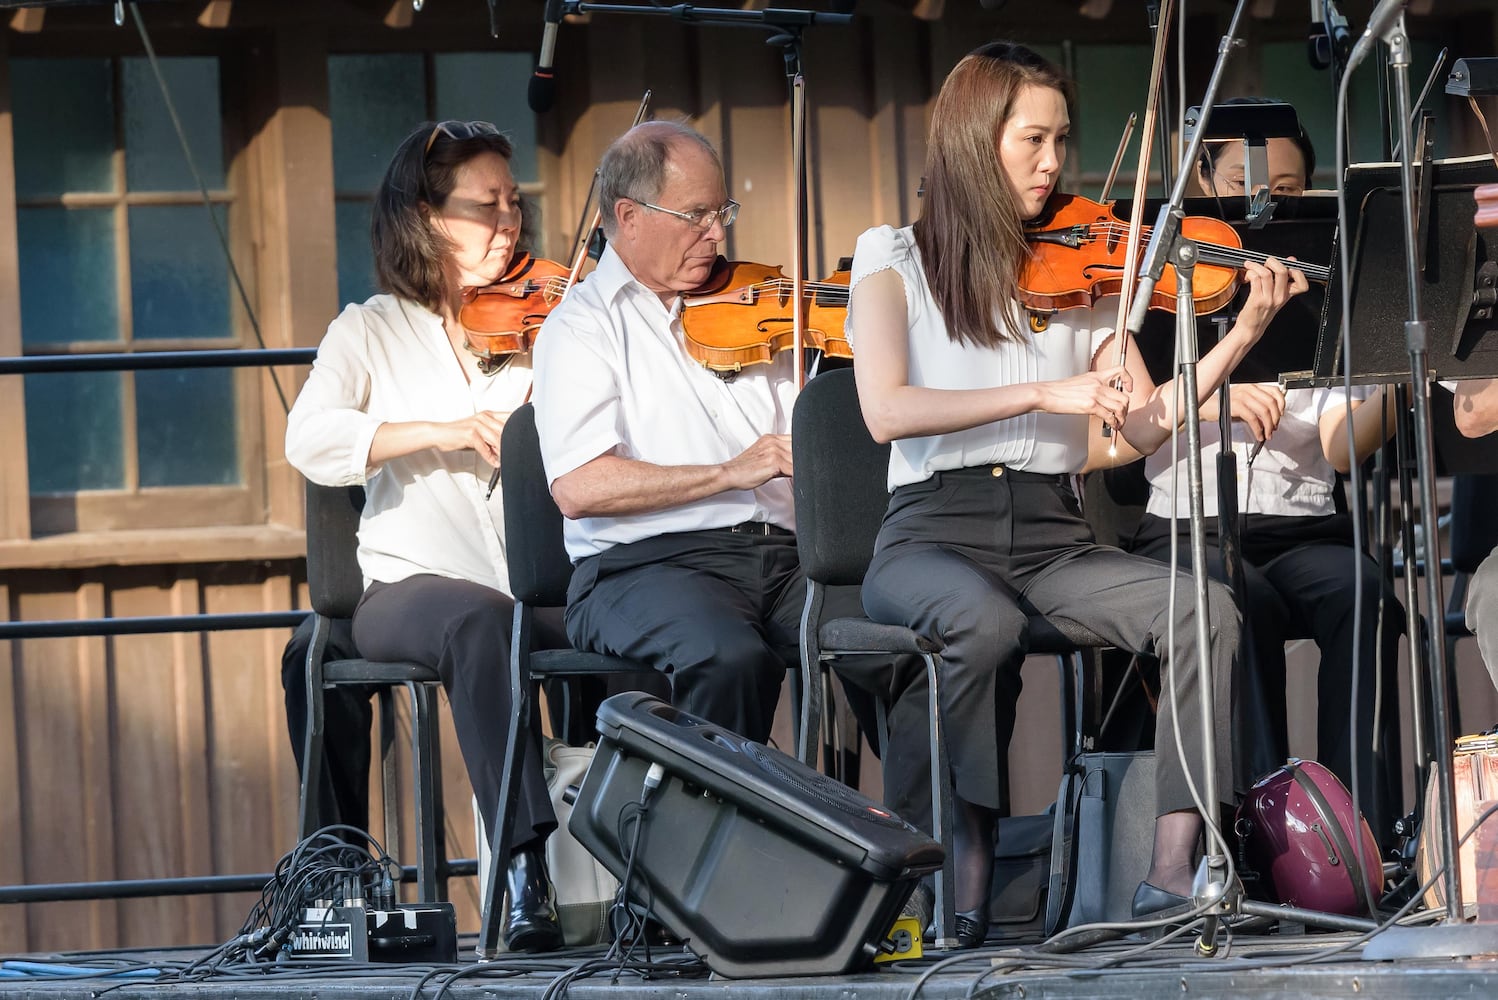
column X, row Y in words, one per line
column 1141, row 183
column 1118, row 155
column 585, row 232
column 798, row 250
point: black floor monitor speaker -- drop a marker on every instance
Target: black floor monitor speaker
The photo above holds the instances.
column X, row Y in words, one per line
column 762, row 865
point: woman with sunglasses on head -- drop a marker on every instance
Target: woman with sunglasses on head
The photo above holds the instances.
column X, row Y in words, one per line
column 396, row 403
column 988, row 421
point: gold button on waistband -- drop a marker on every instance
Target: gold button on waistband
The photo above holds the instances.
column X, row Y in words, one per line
column 997, row 471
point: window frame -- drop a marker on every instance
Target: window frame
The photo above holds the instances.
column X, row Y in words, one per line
column 131, row 506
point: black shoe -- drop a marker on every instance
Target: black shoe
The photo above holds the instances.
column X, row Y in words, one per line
column 1152, row 901
column 532, row 924
column 972, row 927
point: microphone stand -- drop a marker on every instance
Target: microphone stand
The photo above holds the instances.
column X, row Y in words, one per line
column 1166, row 245
column 787, row 26
column 1452, row 938
column 1211, row 887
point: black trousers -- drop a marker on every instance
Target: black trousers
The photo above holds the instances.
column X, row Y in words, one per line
column 968, row 556
column 462, row 629
column 343, row 789
column 343, row 786
column 717, row 612
column 1298, row 583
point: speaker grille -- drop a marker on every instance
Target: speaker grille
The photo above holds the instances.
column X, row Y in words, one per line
column 818, row 786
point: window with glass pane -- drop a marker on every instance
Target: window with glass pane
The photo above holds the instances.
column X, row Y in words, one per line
column 374, row 100
column 118, row 252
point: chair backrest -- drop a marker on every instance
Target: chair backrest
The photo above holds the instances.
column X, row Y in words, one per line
column 840, row 483
column 539, row 568
column 334, row 579
column 1474, row 529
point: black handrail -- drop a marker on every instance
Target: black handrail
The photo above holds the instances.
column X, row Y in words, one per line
column 71, row 628
column 199, row 885
column 151, row 360
column 81, row 627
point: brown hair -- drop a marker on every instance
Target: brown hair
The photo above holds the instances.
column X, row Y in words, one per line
column 970, row 233
column 410, row 255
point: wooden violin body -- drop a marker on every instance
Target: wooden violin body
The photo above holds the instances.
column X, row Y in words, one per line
column 742, row 316
column 502, row 319
column 1078, row 249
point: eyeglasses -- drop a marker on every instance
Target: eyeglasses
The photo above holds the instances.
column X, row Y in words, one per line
column 699, row 218
column 458, row 131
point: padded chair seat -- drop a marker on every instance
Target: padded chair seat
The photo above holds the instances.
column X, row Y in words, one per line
column 572, row 662
column 860, row 635
column 1053, row 638
column 375, row 672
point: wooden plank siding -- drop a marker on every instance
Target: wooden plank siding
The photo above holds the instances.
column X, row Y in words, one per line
column 158, row 756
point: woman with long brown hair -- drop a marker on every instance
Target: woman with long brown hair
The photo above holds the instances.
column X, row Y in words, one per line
column 989, row 419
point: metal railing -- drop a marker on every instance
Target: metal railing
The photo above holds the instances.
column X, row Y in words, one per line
column 106, row 627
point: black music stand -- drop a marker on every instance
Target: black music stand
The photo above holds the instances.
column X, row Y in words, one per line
column 1459, row 269
column 1304, row 228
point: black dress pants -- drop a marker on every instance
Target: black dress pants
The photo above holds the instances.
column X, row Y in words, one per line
column 716, row 611
column 343, row 786
column 968, row 556
column 462, row 629
column 1298, row 583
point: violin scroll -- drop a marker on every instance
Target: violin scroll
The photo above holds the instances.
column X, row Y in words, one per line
column 503, row 318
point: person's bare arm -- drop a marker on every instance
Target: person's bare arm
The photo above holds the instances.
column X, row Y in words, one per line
column 613, row 486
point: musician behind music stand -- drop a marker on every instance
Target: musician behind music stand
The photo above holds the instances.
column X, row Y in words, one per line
column 1305, row 228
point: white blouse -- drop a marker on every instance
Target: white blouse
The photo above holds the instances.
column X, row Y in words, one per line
column 1290, row 475
column 388, row 360
column 613, row 377
column 1035, row 442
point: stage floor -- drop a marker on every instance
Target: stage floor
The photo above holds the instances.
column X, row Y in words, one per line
column 1298, row 966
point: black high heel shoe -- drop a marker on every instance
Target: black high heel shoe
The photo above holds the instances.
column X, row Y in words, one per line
column 532, row 922
column 972, row 927
column 1152, row 901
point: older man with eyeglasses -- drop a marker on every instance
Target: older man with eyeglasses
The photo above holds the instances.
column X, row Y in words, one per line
column 675, row 482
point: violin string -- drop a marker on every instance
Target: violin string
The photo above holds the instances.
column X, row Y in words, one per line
column 1319, row 272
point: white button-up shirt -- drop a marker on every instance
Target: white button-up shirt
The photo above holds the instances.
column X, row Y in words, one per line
column 613, row 378
column 1033, row 441
column 1290, row 475
column 389, row 361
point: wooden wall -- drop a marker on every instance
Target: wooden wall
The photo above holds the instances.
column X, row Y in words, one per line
column 161, row 756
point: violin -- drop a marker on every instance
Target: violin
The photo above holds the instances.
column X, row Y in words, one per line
column 1077, row 251
column 502, row 319
column 742, row 315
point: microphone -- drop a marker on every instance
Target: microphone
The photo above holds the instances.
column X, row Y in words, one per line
column 1379, row 23
column 1317, row 49
column 1336, row 28
column 543, row 86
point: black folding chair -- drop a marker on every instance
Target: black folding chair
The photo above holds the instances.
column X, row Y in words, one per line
column 841, row 496
column 335, row 584
column 539, row 574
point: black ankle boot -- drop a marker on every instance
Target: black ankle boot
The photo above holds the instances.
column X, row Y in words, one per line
column 532, row 916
